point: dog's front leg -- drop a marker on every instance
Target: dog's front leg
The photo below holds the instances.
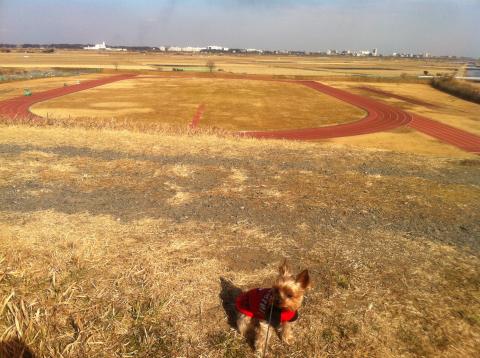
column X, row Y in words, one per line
column 244, row 324
column 286, row 333
column 261, row 337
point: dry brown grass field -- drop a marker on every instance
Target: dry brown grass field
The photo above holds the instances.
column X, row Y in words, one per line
column 251, row 105
column 271, row 65
column 125, row 234
column 119, row 243
column 245, row 105
column 229, row 104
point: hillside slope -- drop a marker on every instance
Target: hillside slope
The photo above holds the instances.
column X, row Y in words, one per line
column 116, row 243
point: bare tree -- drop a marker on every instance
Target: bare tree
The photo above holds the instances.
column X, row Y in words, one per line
column 211, row 65
column 115, row 65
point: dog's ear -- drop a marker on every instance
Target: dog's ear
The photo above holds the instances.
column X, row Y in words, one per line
column 303, row 279
column 283, row 269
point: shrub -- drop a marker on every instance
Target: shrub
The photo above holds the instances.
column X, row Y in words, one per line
column 457, row 88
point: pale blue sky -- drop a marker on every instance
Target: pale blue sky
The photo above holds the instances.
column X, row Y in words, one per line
column 438, row 26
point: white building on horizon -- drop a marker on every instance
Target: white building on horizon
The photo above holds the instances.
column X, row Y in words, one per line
column 253, row 50
column 217, row 48
column 181, row 49
column 103, row 47
column 192, row 49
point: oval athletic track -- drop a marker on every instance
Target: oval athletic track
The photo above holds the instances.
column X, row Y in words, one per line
column 380, row 117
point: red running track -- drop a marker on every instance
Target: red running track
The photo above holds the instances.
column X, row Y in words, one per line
column 448, row 134
column 19, row 106
column 196, row 118
column 380, row 117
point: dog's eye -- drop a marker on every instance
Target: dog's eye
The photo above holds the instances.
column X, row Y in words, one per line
column 289, row 295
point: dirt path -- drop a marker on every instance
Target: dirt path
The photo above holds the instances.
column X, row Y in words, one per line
column 381, row 117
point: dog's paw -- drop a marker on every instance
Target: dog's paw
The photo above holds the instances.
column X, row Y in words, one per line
column 288, row 340
column 259, row 351
column 287, row 336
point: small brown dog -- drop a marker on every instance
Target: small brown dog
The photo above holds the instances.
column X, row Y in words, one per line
column 276, row 306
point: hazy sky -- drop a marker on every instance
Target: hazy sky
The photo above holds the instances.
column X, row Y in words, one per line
column 436, row 26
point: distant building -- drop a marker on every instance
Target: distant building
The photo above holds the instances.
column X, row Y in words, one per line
column 217, row 48
column 103, row 47
column 253, row 50
column 237, row 50
column 297, row 53
column 192, row 49
column 411, row 55
column 184, row 49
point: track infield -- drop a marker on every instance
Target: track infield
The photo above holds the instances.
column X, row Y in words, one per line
column 380, row 117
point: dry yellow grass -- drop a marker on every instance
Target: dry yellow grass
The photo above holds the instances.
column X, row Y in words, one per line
column 406, row 141
column 15, row 88
column 252, row 64
column 73, row 59
column 132, row 242
column 140, row 103
column 119, row 243
column 229, row 104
